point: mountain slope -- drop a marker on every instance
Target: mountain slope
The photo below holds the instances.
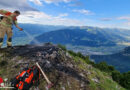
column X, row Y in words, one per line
column 115, row 34
column 64, row 70
column 76, row 37
column 120, row 60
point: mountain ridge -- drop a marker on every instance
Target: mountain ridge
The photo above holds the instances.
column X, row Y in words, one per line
column 63, row 69
column 75, row 37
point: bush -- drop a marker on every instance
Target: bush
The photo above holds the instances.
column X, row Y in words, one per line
column 103, row 66
column 77, row 54
column 3, row 63
column 122, row 79
column 62, row 47
column 72, row 53
column 111, row 68
column 80, row 55
column 116, row 76
column 87, row 59
column 125, row 80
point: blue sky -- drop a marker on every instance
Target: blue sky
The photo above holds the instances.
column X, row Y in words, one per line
column 101, row 13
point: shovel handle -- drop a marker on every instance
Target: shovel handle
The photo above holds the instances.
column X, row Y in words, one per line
column 48, row 81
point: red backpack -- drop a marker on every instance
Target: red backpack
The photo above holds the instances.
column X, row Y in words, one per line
column 9, row 13
column 26, row 78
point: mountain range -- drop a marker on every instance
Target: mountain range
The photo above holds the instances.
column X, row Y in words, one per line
column 120, row 60
column 88, row 38
column 76, row 37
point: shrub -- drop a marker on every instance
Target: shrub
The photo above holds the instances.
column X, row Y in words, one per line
column 80, row 55
column 3, row 63
column 116, row 76
column 111, row 68
column 62, row 47
column 102, row 66
column 72, row 53
column 125, row 80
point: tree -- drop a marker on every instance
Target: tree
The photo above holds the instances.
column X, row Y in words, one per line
column 80, row 55
column 102, row 66
column 125, row 80
column 116, row 76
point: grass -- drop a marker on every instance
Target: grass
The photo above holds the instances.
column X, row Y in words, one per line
column 105, row 81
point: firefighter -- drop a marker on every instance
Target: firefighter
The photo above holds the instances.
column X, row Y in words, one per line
column 6, row 23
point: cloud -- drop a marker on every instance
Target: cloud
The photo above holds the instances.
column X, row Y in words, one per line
column 37, row 2
column 124, row 18
column 21, row 5
column 32, row 15
column 56, row 1
column 36, row 17
column 126, row 22
column 106, row 19
column 84, row 11
column 77, row 3
column 62, row 15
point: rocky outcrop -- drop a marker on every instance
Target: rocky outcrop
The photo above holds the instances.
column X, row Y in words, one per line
column 59, row 65
column 65, row 71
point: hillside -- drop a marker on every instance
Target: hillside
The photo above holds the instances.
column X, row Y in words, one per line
column 65, row 70
column 76, row 37
column 90, row 40
column 114, row 34
column 120, row 60
column 86, row 36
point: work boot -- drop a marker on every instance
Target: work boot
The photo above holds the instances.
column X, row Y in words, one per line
column 9, row 44
column 1, row 45
column 1, row 42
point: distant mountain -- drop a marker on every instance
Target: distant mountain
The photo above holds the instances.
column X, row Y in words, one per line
column 35, row 29
column 120, row 60
column 83, row 37
column 88, row 40
column 114, row 34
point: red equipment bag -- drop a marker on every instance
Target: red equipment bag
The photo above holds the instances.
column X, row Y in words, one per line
column 27, row 78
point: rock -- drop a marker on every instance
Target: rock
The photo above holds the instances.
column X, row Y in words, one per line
column 89, row 67
column 47, row 56
column 63, row 88
column 88, row 73
column 68, row 55
column 68, row 83
column 52, row 56
column 81, row 74
column 95, row 80
column 70, row 65
column 82, row 85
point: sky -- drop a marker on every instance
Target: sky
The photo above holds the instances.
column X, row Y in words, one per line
column 97, row 13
